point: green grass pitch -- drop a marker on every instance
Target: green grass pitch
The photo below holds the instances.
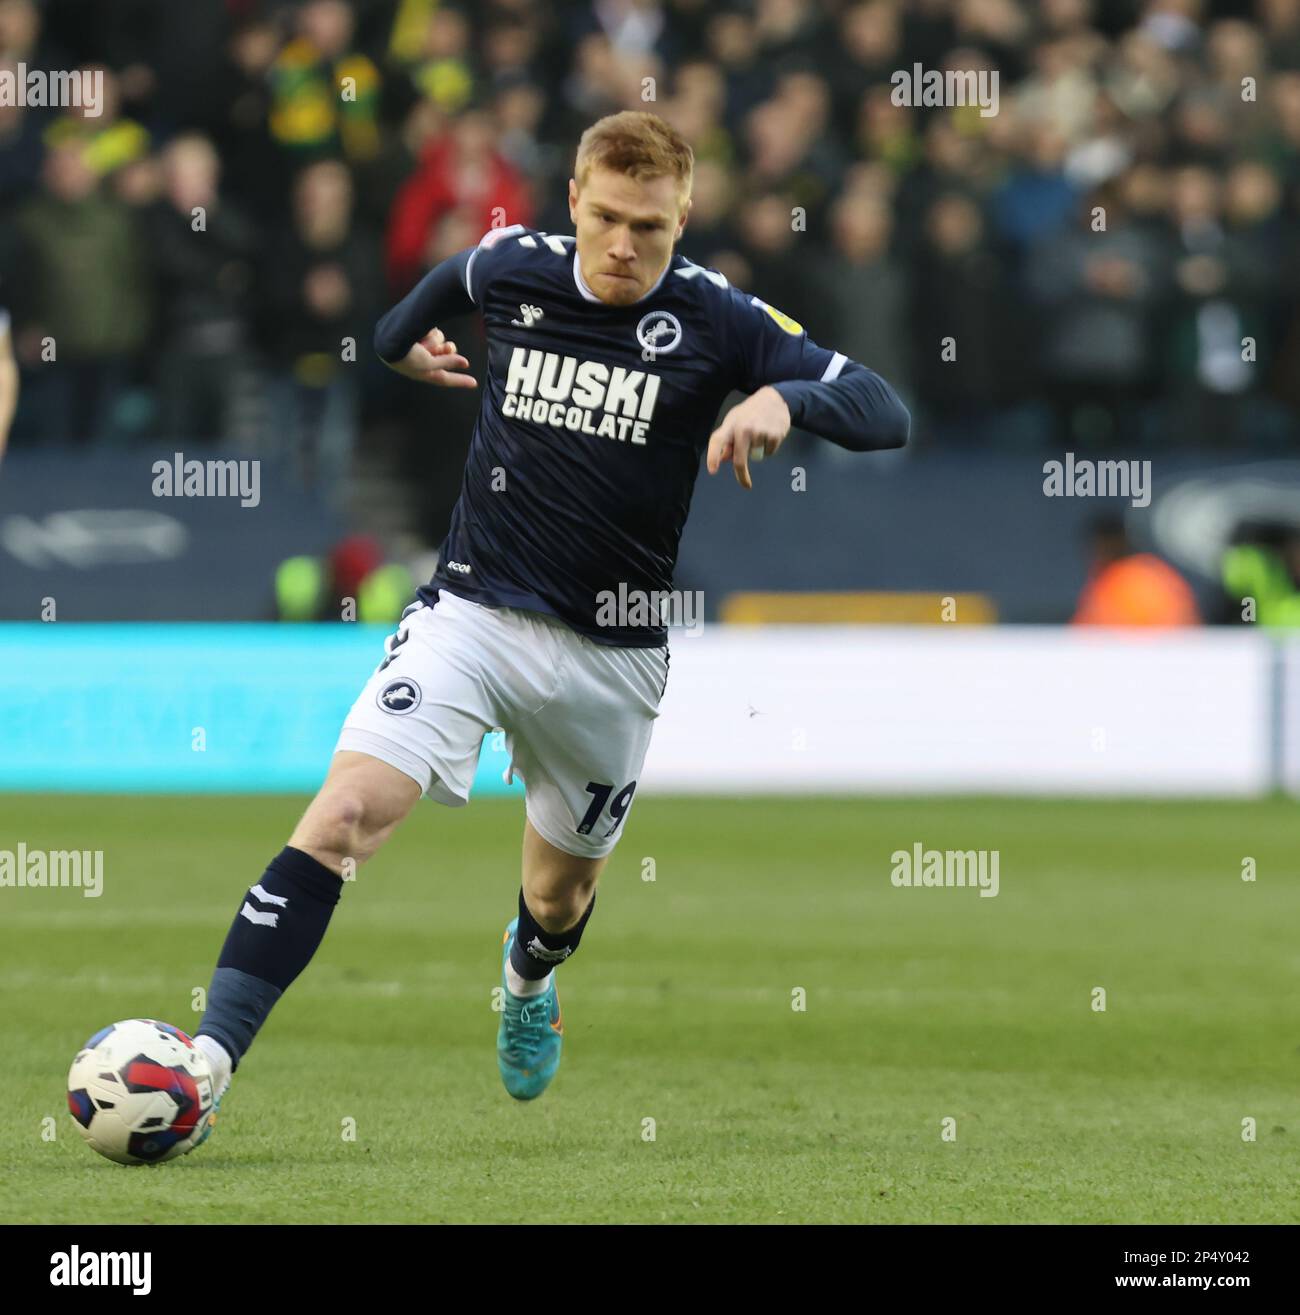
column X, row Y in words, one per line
column 921, row 1006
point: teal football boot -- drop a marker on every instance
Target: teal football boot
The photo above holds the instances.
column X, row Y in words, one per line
column 530, row 1035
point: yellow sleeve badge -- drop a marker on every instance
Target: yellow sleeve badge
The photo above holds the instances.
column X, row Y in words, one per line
column 789, row 325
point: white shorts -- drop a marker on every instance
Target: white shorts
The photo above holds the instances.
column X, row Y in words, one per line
column 577, row 714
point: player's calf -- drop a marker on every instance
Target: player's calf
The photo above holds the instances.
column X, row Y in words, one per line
column 283, row 916
column 555, row 901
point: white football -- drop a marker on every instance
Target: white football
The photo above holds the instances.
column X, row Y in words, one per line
column 140, row 1092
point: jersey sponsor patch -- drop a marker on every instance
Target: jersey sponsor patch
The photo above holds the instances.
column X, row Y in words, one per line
column 789, row 325
column 589, row 397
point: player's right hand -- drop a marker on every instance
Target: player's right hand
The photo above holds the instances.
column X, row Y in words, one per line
column 433, row 360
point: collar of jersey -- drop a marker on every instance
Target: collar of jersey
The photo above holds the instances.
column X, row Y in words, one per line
column 591, row 296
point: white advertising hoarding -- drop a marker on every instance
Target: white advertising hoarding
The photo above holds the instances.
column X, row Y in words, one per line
column 964, row 709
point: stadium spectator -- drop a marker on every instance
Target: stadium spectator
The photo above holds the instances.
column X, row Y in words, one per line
column 1098, row 291
column 967, row 332
column 461, row 167
column 252, row 162
column 320, row 294
column 324, row 92
column 203, row 252
column 861, row 269
column 352, row 582
column 108, row 141
column 1128, row 588
column 1260, row 572
column 84, row 288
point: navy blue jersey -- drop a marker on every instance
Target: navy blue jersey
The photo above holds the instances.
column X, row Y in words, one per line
column 595, row 418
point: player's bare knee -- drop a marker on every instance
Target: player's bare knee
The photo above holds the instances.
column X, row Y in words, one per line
column 335, row 829
column 347, row 814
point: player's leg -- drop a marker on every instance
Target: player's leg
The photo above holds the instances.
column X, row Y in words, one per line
column 580, row 756
column 555, row 900
column 283, row 916
column 415, row 729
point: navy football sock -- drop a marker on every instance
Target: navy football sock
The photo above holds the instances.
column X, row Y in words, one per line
column 535, row 951
column 280, row 923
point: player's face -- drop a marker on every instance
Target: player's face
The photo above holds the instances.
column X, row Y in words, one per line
column 625, row 231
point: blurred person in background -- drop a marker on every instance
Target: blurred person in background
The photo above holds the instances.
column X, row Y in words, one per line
column 83, row 288
column 356, row 569
column 440, row 64
column 887, row 133
column 711, row 232
column 696, row 110
column 774, row 251
column 867, row 50
column 1098, row 293
column 1223, row 286
column 252, row 162
column 324, row 91
column 858, row 273
column 321, row 287
column 786, row 149
column 734, row 48
column 518, row 107
column 969, row 335
column 1036, row 200
column 108, row 141
column 1280, row 23
column 1128, row 588
column 460, row 167
column 203, row 251
column 1260, row 574
column 25, row 37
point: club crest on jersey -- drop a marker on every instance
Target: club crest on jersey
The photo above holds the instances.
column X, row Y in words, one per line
column 659, row 332
column 400, row 696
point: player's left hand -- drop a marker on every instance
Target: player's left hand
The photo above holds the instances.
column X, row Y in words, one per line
column 749, row 432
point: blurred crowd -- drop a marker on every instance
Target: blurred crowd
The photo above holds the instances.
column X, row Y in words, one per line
column 1111, row 259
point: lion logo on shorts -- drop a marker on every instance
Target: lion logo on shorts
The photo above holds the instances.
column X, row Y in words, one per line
column 400, row 696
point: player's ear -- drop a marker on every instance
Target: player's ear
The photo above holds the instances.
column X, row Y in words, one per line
column 573, row 199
